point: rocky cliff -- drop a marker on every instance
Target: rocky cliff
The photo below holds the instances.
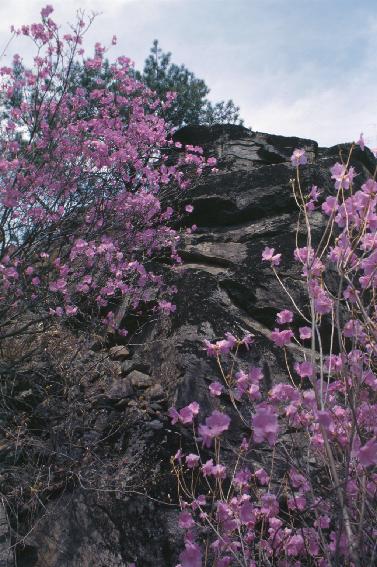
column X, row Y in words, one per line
column 98, row 431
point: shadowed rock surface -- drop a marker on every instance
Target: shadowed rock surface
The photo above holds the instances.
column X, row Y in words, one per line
column 112, row 498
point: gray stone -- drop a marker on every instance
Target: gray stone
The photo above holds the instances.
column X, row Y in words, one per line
column 139, row 379
column 119, row 352
column 121, row 388
column 155, row 424
column 134, row 364
column 155, row 392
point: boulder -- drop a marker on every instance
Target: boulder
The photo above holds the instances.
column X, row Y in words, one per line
column 139, row 379
column 119, row 352
column 121, row 388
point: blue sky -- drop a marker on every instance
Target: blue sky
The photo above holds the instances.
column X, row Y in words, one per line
column 295, row 67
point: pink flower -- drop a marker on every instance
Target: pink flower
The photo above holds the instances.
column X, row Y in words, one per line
column 58, row 285
column 167, row 307
column 254, row 392
column 221, row 347
column 248, row 340
column 343, row 178
column 45, row 12
column 351, row 294
column 185, row 520
column 199, row 501
column 352, row 328
column 265, row 425
column 219, row 471
column 231, row 339
column 255, row 374
column 189, row 208
column 268, row 255
column 314, row 193
column 371, row 380
column 305, row 333
column 247, row 512
column 224, row 346
column 210, row 348
column 367, row 454
column 298, row 480
column 71, row 310
column 284, row 316
column 214, row 426
column 174, row 415
column 262, row 477
column 281, row 338
column 11, row 273
column 360, row 142
column 188, row 413
column 242, row 478
column 299, row 158
column 295, row 545
column 310, row 206
column 322, row 302
column 178, row 456
column 185, row 415
column 323, row 522
column 330, row 205
column 284, row 392
column 304, row 254
column 324, row 419
column 191, row 556
column 215, row 389
column 333, row 363
column 192, row 460
column 207, row 468
column 270, row 505
column 304, row 369
column 297, row 502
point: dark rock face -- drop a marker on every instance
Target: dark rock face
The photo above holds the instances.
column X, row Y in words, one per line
column 121, row 508
column 237, row 147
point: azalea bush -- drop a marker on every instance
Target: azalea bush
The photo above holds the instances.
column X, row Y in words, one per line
column 85, row 176
column 300, row 487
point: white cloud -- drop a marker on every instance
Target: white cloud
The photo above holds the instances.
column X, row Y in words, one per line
column 292, row 68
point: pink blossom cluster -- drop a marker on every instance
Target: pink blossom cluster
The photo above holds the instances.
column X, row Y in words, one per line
column 252, row 518
column 83, row 172
column 224, row 346
column 301, row 487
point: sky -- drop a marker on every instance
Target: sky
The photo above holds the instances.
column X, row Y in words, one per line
column 295, row 67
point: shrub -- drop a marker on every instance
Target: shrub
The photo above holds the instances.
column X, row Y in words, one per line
column 300, row 487
column 84, row 179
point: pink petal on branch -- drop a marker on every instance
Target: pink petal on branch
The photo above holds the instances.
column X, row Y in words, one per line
column 268, row 255
column 367, row 454
column 265, row 425
column 284, row 316
column 305, row 333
